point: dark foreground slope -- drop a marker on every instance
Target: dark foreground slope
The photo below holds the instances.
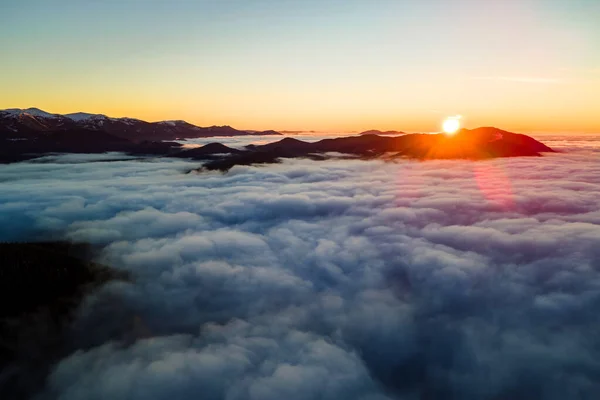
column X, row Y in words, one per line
column 41, row 285
column 476, row 144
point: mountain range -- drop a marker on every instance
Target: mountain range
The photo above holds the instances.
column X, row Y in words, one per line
column 33, row 123
column 31, row 133
column 476, row 144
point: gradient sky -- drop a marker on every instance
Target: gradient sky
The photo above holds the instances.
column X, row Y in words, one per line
column 338, row 65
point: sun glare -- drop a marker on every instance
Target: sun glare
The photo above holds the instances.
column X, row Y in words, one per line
column 451, row 125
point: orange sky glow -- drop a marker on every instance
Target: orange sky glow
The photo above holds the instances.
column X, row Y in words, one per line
column 334, row 66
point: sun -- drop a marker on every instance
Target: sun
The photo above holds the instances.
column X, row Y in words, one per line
column 451, row 125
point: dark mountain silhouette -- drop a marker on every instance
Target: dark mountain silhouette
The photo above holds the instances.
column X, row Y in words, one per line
column 207, row 151
column 78, row 140
column 382, row 133
column 287, row 145
column 34, row 123
column 476, row 144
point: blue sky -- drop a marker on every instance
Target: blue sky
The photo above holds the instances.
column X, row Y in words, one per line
column 307, row 64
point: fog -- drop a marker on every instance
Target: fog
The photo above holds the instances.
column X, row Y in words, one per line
column 239, row 142
column 340, row 279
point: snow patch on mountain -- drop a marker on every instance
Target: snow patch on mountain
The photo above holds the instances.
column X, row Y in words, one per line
column 172, row 122
column 81, row 116
column 36, row 112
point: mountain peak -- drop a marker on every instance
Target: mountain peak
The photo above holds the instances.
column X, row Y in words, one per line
column 36, row 112
column 173, row 122
column 81, row 116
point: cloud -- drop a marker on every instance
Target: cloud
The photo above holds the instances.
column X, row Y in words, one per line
column 335, row 279
column 236, row 361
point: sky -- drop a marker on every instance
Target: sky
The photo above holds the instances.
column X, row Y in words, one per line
column 328, row 65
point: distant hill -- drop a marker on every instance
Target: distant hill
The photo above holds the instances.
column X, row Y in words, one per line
column 382, row 133
column 206, row 152
column 32, row 123
column 476, row 144
column 78, row 140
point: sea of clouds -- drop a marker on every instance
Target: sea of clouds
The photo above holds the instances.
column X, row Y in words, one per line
column 339, row 279
column 239, row 142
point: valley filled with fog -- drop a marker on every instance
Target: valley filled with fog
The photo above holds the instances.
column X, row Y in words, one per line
column 338, row 279
column 239, row 142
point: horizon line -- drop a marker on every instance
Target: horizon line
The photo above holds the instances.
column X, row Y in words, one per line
column 311, row 131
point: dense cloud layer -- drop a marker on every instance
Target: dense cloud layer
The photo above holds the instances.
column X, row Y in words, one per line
column 332, row 280
column 239, row 142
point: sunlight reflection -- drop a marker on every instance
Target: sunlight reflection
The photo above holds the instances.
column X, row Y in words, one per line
column 494, row 184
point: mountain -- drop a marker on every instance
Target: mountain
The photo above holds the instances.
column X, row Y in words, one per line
column 18, row 124
column 35, row 134
column 208, row 151
column 286, row 146
column 78, row 140
column 477, row 144
column 382, row 133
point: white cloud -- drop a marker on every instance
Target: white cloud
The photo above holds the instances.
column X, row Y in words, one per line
column 336, row 279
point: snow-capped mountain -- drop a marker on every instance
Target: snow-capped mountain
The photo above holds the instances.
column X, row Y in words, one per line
column 35, row 112
column 81, row 116
column 32, row 122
